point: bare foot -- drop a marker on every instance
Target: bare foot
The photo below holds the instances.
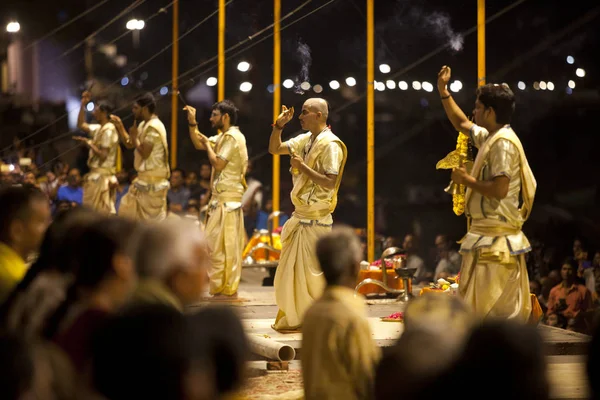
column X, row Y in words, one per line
column 223, row 297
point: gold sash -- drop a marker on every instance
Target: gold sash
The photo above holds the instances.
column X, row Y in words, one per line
column 323, row 140
column 235, row 134
column 528, row 182
column 160, row 128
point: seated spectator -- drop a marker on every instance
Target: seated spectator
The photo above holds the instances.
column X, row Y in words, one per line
column 262, row 218
column 72, row 191
column 448, row 260
column 178, row 194
column 24, row 218
column 569, row 298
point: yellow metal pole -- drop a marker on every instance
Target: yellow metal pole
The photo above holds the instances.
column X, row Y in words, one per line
column 370, row 130
column 481, row 43
column 221, row 77
column 276, row 101
column 175, row 91
column 119, row 159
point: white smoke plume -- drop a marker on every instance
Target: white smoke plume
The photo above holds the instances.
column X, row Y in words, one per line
column 441, row 26
column 303, row 55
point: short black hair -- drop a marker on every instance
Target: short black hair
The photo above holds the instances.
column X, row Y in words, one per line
column 220, row 344
column 147, row 100
column 572, row 262
column 500, row 98
column 106, row 107
column 143, row 352
column 15, row 203
column 227, row 107
column 181, row 171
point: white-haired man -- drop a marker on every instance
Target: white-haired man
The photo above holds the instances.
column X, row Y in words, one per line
column 339, row 353
column 317, row 158
column 173, row 263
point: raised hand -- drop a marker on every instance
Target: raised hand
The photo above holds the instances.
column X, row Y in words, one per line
column 86, row 97
column 116, row 120
column 444, row 77
column 191, row 114
column 286, row 116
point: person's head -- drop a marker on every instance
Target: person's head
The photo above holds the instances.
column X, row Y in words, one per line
column 102, row 111
column 219, row 349
column 191, row 178
column 314, row 114
column 63, row 205
column 596, row 259
column 105, row 255
column 268, row 204
column 177, row 178
column 74, row 177
column 548, row 282
column 577, row 246
column 554, row 276
column 192, row 210
column 515, row 352
column 223, row 115
column 142, row 353
column 339, row 254
column 568, row 270
column 29, row 179
column 24, row 218
column 54, row 252
column 535, row 287
column 440, row 315
column 122, row 177
column 442, row 244
column 102, row 261
column 144, row 106
column 205, row 170
column 60, row 237
column 175, row 252
column 494, row 106
column 439, row 324
column 410, row 243
column 58, row 169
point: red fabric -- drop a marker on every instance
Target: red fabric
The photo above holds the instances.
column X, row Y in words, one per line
column 76, row 339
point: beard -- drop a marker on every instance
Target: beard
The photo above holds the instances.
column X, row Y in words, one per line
column 218, row 125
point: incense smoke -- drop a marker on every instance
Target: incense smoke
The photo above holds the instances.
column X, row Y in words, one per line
column 303, row 55
column 441, row 25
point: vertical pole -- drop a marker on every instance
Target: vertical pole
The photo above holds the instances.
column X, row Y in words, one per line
column 370, row 130
column 221, row 77
column 276, row 102
column 119, row 165
column 481, row 43
column 175, row 91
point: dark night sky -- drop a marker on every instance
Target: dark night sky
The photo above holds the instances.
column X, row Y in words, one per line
column 527, row 43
